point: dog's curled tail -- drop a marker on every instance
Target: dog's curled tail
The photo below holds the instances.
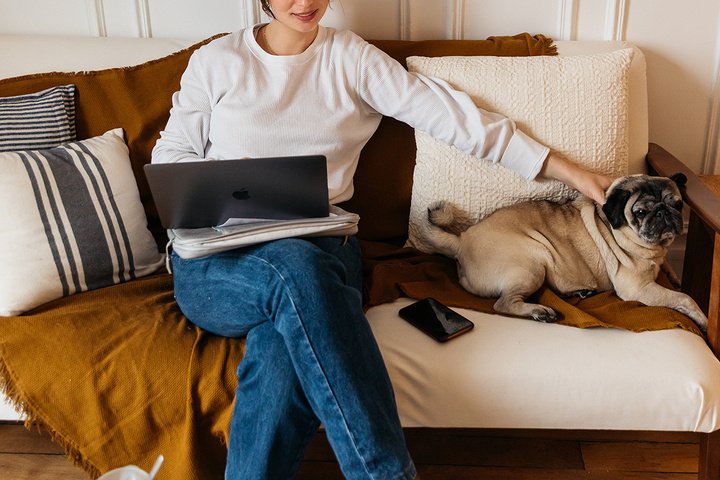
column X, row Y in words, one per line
column 447, row 222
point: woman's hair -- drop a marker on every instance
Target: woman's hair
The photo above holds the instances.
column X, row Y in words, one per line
column 266, row 8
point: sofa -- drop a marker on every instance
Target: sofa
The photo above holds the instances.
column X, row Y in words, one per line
column 117, row 375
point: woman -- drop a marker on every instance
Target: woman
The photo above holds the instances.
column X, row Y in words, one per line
column 293, row 87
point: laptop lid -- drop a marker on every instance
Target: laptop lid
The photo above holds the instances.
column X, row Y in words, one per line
column 208, row 193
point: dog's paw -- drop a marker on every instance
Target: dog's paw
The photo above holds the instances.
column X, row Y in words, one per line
column 544, row 314
column 696, row 315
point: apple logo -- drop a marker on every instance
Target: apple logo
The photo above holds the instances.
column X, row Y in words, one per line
column 241, row 194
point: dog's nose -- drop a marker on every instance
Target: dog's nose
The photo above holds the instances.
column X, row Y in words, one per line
column 663, row 214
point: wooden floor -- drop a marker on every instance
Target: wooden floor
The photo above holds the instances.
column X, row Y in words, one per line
column 447, row 455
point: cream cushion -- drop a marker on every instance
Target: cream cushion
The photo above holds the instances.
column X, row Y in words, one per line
column 27, row 54
column 578, row 106
column 81, row 225
column 638, row 129
column 516, row 373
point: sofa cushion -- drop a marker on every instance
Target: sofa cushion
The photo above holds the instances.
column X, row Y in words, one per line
column 578, row 106
column 517, row 373
column 637, row 93
column 25, row 54
column 81, row 225
column 37, row 120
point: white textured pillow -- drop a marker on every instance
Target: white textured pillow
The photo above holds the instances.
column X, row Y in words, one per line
column 70, row 220
column 577, row 106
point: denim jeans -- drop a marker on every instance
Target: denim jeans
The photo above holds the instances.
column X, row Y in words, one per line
column 310, row 357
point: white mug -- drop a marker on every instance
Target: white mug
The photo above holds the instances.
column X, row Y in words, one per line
column 131, row 472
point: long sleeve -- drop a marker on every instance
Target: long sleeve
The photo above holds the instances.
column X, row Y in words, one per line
column 186, row 135
column 434, row 107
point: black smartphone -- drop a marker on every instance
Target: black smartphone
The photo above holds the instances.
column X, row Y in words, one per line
column 436, row 319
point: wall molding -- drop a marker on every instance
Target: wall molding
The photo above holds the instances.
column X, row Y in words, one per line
column 711, row 157
column 143, row 15
column 616, row 19
column 405, row 19
column 251, row 12
column 96, row 18
column 458, row 20
column 567, row 19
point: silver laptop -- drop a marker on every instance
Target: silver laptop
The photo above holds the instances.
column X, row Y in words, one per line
column 209, row 193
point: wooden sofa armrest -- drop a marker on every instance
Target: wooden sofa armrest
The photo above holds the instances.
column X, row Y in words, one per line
column 701, row 265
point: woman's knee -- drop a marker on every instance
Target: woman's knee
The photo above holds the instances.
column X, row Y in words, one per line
column 300, row 264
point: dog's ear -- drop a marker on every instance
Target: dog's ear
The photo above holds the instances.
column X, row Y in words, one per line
column 614, row 208
column 679, row 178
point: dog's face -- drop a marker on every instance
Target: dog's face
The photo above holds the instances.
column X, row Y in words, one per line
column 650, row 206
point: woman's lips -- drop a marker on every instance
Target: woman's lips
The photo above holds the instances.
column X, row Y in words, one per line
column 305, row 17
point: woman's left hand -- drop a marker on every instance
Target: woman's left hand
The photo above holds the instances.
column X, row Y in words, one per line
column 590, row 184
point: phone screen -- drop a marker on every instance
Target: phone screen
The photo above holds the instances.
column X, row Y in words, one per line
column 435, row 319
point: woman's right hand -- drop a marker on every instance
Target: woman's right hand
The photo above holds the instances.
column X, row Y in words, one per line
column 588, row 183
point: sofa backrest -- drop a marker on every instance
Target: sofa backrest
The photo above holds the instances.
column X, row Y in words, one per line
column 138, row 99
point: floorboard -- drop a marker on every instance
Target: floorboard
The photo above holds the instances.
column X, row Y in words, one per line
column 34, row 466
column 648, row 457
column 441, row 455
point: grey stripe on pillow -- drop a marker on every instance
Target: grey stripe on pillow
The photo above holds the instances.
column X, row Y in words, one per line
column 39, row 120
column 49, row 233
column 84, row 229
column 104, row 195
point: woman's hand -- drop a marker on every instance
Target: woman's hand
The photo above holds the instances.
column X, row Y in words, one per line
column 590, row 184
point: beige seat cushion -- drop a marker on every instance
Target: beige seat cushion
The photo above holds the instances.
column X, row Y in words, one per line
column 516, row 373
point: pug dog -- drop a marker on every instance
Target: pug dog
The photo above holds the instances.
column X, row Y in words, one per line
column 577, row 248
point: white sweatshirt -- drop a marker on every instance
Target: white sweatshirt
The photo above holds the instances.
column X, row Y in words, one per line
column 238, row 101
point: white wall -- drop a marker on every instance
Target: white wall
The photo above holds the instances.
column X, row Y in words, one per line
column 681, row 40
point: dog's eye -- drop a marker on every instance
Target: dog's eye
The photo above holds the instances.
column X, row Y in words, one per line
column 677, row 205
column 640, row 212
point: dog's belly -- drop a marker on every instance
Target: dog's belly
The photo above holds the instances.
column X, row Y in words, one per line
column 567, row 280
column 538, row 246
column 564, row 271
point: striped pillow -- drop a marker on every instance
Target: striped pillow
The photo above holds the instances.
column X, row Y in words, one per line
column 70, row 220
column 38, row 120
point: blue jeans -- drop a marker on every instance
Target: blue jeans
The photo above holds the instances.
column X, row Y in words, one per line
column 310, row 357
